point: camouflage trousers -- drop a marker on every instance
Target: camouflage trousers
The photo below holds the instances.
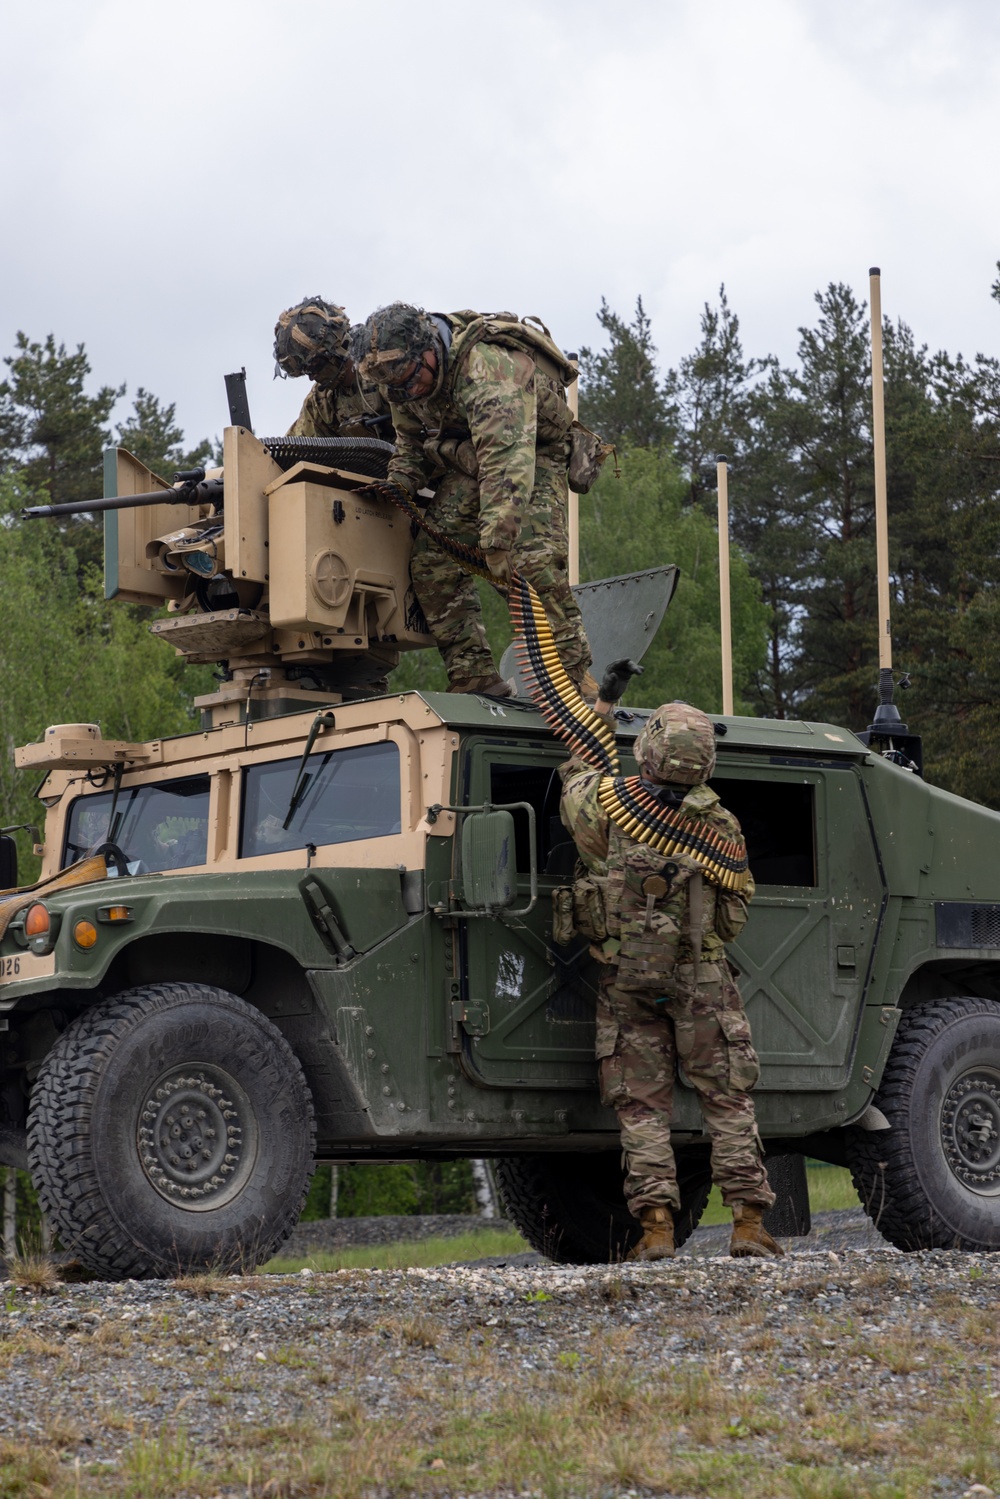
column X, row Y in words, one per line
column 448, row 595
column 640, row 1042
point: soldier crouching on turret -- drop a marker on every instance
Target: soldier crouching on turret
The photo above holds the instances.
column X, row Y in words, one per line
column 666, row 994
column 479, row 405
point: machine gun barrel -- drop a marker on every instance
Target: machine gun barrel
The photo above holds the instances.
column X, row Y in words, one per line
column 202, row 492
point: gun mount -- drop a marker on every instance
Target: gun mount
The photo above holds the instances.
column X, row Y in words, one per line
column 272, row 566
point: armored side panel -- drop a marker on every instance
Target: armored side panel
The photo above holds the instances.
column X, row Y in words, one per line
column 128, row 534
column 340, row 564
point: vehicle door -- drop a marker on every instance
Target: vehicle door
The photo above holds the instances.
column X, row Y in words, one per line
column 526, row 1013
column 805, row 955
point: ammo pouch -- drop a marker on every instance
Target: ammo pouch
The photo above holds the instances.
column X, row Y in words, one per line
column 730, row 914
column 590, row 906
column 587, row 454
column 563, row 929
column 580, row 911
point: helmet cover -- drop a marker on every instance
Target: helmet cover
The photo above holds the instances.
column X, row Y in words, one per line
column 386, row 344
column 313, row 338
column 677, row 745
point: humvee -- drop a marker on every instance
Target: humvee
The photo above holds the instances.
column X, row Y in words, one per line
column 319, row 927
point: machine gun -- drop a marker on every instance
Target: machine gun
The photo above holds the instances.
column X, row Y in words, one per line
column 190, row 487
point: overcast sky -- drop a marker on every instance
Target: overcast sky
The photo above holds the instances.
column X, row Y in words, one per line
column 173, row 175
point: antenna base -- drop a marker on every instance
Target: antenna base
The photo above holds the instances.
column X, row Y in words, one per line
column 887, row 722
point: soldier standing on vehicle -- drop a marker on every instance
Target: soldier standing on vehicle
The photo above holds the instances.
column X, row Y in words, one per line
column 479, row 405
column 313, row 338
column 666, row 995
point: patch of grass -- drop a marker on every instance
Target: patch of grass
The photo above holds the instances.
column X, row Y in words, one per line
column 35, row 1272
column 830, row 1188
column 207, row 1283
column 160, row 1467
column 411, row 1254
column 26, row 1468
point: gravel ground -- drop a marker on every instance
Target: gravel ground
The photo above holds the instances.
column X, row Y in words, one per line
column 701, row 1376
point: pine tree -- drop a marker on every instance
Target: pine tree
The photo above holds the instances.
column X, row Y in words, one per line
column 53, row 432
column 620, row 395
column 152, row 435
column 712, row 388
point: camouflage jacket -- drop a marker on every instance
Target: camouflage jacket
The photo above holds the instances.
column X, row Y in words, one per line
column 495, row 408
column 329, row 411
column 609, row 854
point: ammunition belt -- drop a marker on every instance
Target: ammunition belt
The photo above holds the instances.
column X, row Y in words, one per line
column 634, row 809
column 624, row 798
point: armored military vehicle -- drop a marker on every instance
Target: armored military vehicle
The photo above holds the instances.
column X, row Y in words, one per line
column 319, row 928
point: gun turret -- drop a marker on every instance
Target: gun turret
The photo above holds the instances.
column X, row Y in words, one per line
column 271, row 567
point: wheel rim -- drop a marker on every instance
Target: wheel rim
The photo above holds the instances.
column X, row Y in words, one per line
column 970, row 1130
column 197, row 1136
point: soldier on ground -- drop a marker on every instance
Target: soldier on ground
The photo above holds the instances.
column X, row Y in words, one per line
column 479, row 406
column 313, row 338
column 666, row 994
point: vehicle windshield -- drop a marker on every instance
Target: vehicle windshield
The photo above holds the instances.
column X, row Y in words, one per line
column 348, row 794
column 156, row 827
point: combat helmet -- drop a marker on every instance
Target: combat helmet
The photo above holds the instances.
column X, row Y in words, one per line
column 677, row 745
column 312, row 338
column 386, row 344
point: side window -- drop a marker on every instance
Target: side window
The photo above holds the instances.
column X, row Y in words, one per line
column 778, row 819
column 541, row 787
column 346, row 794
column 157, row 827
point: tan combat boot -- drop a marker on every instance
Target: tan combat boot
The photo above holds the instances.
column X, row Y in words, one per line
column 750, row 1237
column 657, row 1242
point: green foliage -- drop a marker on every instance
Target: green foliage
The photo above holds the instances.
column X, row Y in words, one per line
column 640, row 521
column 72, row 657
column 366, row 1190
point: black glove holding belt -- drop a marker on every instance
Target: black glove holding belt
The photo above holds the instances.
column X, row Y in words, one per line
column 617, row 675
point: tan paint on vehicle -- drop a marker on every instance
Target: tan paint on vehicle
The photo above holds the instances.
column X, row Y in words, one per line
column 426, row 747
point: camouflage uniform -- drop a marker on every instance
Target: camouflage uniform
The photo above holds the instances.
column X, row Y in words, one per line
column 332, row 411
column 494, row 436
column 651, row 1018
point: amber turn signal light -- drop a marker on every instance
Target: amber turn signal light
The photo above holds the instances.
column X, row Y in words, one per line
column 37, row 922
column 84, row 934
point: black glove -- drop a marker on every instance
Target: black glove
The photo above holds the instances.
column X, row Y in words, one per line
column 617, row 675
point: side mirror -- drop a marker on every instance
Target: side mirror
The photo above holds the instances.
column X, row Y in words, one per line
column 488, row 865
column 8, row 862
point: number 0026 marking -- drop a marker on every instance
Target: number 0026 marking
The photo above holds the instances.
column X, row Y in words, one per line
column 9, row 967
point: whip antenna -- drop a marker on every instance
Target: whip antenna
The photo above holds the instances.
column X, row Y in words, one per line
column 887, row 723
column 725, row 608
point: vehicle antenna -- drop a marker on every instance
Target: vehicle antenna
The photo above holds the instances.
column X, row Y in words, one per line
column 725, row 611
column 886, row 723
column 573, row 509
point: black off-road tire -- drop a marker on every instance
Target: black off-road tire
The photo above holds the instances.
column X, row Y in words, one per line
column 171, row 1129
column 572, row 1207
column 932, row 1181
